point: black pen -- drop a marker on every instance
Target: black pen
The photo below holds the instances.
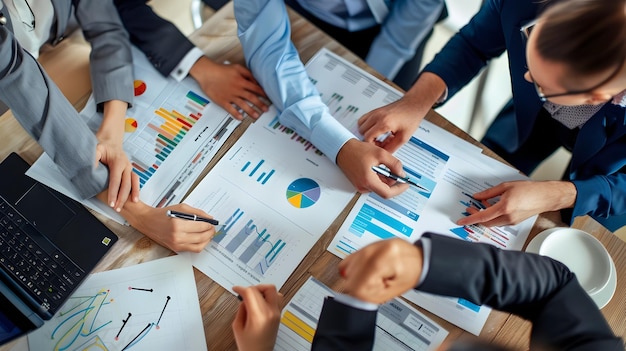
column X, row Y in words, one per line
column 191, row 217
column 385, row 172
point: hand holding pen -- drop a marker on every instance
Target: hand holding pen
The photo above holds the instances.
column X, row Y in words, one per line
column 191, row 217
column 387, row 173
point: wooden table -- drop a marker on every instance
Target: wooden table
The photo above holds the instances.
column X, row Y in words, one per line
column 217, row 37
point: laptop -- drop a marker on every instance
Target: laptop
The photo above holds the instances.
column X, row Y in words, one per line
column 48, row 245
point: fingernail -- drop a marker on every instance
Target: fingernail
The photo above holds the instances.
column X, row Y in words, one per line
column 118, row 209
column 135, row 199
column 112, row 204
column 342, row 272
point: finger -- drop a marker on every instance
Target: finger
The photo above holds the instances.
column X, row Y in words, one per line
column 233, row 110
column 124, row 192
column 270, row 294
column 135, row 186
column 481, row 216
column 254, row 88
column 243, row 105
column 256, row 102
column 239, row 322
column 491, row 192
column 114, row 185
column 394, row 142
column 253, row 299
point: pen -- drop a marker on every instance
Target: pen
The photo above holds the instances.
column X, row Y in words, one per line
column 191, row 217
column 475, row 201
column 384, row 172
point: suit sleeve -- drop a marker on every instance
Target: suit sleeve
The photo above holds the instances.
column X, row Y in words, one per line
column 342, row 327
column 110, row 60
column 43, row 111
column 533, row 287
column 162, row 43
column 470, row 49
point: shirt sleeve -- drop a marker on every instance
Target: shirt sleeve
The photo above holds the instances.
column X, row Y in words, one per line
column 401, row 33
column 184, row 66
column 265, row 32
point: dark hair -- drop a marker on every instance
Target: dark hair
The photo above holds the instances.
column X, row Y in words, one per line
column 589, row 36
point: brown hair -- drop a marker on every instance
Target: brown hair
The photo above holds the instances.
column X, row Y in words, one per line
column 589, row 36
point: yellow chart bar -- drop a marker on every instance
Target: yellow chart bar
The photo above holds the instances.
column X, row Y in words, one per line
column 296, row 324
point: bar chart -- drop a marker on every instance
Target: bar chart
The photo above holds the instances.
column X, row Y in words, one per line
column 156, row 140
column 252, row 245
column 276, row 126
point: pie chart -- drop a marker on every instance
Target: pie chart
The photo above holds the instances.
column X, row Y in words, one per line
column 130, row 125
column 140, row 87
column 303, row 193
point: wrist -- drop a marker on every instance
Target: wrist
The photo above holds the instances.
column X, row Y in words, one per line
column 565, row 194
column 201, row 67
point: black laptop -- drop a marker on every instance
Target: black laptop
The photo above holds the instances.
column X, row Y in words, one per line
column 48, row 245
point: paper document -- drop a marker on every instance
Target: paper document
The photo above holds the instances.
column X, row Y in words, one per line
column 274, row 196
column 398, row 325
column 171, row 133
column 445, row 165
column 150, row 306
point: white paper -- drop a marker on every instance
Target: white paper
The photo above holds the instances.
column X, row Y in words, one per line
column 398, row 324
column 439, row 161
column 172, row 132
column 150, row 306
column 274, row 195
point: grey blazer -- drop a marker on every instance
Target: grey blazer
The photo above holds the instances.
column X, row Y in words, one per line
column 41, row 108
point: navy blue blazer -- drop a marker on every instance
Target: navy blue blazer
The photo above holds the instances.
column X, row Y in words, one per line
column 162, row 43
column 598, row 162
column 533, row 287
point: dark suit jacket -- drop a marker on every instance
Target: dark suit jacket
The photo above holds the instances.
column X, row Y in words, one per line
column 533, row 287
column 162, row 43
column 598, row 158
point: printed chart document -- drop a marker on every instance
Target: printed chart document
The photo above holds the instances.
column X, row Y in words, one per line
column 447, row 168
column 171, row 133
column 150, row 306
column 398, row 325
column 274, row 195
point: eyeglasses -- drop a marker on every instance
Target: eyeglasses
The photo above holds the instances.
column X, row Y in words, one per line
column 525, row 31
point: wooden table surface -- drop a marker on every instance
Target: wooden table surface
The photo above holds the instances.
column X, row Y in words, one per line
column 68, row 66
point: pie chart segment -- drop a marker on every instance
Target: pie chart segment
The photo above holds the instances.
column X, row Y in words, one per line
column 303, row 193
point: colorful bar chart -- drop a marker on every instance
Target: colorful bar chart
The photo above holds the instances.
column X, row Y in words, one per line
column 250, row 243
column 275, row 125
column 165, row 131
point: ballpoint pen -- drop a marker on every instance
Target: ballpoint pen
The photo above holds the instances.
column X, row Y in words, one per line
column 387, row 173
column 191, row 217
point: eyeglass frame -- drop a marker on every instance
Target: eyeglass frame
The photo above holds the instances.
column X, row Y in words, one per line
column 525, row 31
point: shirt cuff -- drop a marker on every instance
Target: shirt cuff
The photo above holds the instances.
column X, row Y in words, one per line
column 184, row 66
column 355, row 303
column 329, row 136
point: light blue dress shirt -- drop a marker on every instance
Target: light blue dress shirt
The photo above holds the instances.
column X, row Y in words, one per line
column 402, row 31
column 265, row 34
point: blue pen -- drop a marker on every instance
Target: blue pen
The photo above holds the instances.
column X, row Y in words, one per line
column 475, row 201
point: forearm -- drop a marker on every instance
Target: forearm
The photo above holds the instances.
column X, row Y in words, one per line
column 112, row 126
column 427, row 91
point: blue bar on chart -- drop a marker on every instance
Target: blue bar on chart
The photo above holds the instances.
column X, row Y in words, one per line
column 254, row 247
column 364, row 223
column 263, row 176
column 227, row 225
column 344, row 248
column 241, row 236
column 396, row 206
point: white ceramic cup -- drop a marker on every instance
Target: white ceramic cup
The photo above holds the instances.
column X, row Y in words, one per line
column 582, row 254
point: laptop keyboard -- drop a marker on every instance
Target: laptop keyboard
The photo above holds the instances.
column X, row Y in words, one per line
column 38, row 266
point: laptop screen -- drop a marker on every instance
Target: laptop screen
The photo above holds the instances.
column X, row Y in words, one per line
column 13, row 322
column 8, row 329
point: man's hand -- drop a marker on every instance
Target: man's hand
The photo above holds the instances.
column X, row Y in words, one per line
column 231, row 86
column 382, row 270
column 520, row 200
column 400, row 119
column 356, row 159
column 256, row 324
